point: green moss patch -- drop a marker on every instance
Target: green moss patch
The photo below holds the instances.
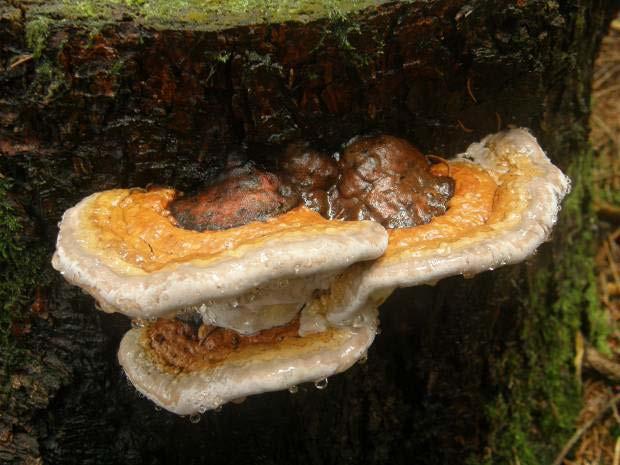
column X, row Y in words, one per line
column 202, row 14
column 37, row 31
column 21, row 266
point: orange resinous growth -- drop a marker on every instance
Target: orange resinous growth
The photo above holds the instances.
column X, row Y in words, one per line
column 136, row 227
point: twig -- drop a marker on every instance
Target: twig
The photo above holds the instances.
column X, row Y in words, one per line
column 20, row 60
column 575, row 437
column 463, row 127
column 614, row 409
column 605, row 366
column 606, row 90
column 612, row 289
column 607, row 211
column 608, row 73
column 612, row 263
column 606, row 129
column 579, row 353
column 469, row 91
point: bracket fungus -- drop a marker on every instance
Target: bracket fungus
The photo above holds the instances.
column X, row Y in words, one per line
column 261, row 295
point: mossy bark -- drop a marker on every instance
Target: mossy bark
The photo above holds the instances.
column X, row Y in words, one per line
column 476, row 370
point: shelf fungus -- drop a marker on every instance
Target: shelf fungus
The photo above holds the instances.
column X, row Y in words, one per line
column 265, row 280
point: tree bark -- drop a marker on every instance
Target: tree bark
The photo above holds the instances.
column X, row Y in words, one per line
column 467, row 371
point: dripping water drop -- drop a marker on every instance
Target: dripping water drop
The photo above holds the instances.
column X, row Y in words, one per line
column 137, row 323
column 293, row 389
column 321, row 384
column 194, row 418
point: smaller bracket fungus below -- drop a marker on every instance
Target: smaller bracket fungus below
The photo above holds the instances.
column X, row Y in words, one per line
column 258, row 284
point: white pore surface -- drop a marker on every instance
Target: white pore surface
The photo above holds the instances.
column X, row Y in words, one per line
column 274, row 370
column 516, row 161
column 273, row 304
column 167, row 291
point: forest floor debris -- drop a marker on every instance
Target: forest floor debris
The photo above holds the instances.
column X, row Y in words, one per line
column 597, row 436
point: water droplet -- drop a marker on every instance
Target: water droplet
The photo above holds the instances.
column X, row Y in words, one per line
column 235, row 304
column 358, row 321
column 297, row 269
column 194, row 418
column 293, row 389
column 157, row 408
column 321, row 384
column 379, row 331
column 239, row 400
column 137, row 323
column 218, row 409
column 363, row 359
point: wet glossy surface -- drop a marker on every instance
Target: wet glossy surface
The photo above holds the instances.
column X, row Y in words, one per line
column 180, row 346
column 241, row 196
column 380, row 178
column 135, row 227
column 386, row 179
column 470, row 207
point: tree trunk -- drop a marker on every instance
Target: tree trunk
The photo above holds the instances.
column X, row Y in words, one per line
column 468, row 371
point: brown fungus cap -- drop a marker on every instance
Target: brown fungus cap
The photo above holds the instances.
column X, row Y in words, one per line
column 380, row 178
column 308, row 169
column 386, row 179
column 241, row 196
column 310, row 174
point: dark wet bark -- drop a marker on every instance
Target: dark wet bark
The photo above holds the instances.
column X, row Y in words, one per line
column 125, row 105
